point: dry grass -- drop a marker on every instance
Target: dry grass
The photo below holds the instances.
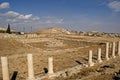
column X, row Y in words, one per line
column 64, row 56
column 104, row 71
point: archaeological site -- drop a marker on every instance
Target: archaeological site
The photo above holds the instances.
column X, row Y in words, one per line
column 59, row 54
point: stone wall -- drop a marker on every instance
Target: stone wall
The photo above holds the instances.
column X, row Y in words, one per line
column 66, row 72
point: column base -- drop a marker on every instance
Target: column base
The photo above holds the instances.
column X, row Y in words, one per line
column 91, row 64
column 50, row 75
column 30, row 78
column 118, row 54
column 107, row 59
column 99, row 61
column 113, row 56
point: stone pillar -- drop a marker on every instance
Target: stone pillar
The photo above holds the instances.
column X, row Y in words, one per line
column 107, row 50
column 99, row 55
column 119, row 48
column 30, row 67
column 50, row 65
column 5, row 71
column 90, row 63
column 113, row 49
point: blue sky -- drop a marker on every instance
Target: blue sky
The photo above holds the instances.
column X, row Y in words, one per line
column 80, row 15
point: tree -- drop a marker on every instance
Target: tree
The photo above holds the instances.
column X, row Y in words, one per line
column 8, row 29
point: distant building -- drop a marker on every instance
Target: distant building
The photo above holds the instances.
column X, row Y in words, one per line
column 21, row 33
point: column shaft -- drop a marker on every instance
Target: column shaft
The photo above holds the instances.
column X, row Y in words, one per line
column 119, row 48
column 99, row 55
column 30, row 67
column 90, row 58
column 113, row 49
column 5, row 71
column 50, row 65
column 107, row 50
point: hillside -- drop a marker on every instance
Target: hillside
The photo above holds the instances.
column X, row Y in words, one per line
column 53, row 30
column 67, row 50
column 3, row 30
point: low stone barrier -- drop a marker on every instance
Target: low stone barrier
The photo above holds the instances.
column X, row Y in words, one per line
column 64, row 73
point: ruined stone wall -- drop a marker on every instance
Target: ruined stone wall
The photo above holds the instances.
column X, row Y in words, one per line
column 66, row 72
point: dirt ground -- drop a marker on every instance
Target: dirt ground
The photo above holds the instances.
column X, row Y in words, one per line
column 67, row 51
column 105, row 71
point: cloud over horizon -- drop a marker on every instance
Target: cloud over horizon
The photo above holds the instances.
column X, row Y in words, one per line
column 28, row 20
column 114, row 5
column 70, row 14
column 4, row 5
column 15, row 17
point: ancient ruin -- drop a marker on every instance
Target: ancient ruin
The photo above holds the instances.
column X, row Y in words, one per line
column 49, row 55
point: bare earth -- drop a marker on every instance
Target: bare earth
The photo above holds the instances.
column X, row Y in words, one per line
column 67, row 51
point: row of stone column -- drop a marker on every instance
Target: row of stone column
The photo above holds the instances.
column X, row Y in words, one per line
column 91, row 63
column 5, row 71
column 31, row 76
column 113, row 50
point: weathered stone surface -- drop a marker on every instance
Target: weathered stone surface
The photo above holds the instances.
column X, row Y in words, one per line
column 107, row 51
column 99, row 55
column 50, row 66
column 113, row 50
column 5, row 71
column 90, row 62
column 119, row 48
column 30, row 67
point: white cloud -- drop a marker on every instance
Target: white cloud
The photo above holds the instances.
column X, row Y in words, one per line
column 51, row 20
column 4, row 5
column 11, row 14
column 27, row 20
column 115, row 6
column 36, row 18
column 28, row 16
column 48, row 22
column 60, row 21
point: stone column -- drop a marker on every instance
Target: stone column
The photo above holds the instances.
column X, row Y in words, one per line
column 5, row 71
column 119, row 48
column 99, row 55
column 50, row 65
column 90, row 63
column 113, row 50
column 30, row 67
column 107, row 50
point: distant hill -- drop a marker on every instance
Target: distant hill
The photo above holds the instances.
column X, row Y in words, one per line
column 3, row 30
column 53, row 30
column 99, row 34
